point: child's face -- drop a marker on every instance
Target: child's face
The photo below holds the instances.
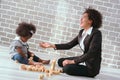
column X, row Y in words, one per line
column 25, row 39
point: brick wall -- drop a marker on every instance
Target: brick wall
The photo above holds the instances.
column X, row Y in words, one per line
column 57, row 21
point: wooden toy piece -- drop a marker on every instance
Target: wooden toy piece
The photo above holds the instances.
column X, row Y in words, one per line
column 29, row 68
column 60, row 70
column 42, row 68
column 38, row 66
column 33, row 68
column 52, row 68
column 23, row 67
column 30, row 59
column 41, row 77
column 46, row 71
column 53, row 65
column 56, row 72
column 50, row 73
column 47, row 74
column 39, row 70
column 32, row 55
column 16, row 61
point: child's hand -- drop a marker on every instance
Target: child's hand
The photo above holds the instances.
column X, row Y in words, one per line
column 31, row 53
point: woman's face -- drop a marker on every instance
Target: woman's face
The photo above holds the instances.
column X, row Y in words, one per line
column 85, row 22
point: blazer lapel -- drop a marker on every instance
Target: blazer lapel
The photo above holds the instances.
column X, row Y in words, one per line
column 87, row 41
column 80, row 35
column 87, row 38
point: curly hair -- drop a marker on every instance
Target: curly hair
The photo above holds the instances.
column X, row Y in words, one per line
column 25, row 29
column 95, row 16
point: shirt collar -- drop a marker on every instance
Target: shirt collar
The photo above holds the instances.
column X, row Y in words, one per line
column 89, row 31
column 18, row 38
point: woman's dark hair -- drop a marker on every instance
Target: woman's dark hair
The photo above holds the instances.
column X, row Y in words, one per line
column 95, row 16
column 25, row 29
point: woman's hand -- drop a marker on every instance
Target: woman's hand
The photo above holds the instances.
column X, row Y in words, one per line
column 46, row 45
column 66, row 62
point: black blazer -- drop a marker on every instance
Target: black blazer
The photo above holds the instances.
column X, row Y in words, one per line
column 92, row 52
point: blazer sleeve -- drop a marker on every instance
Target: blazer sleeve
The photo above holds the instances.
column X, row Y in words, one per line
column 94, row 48
column 68, row 45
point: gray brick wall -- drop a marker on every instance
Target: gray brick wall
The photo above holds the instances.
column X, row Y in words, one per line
column 57, row 21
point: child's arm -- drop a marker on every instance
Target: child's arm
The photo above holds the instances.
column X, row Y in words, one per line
column 31, row 53
column 19, row 50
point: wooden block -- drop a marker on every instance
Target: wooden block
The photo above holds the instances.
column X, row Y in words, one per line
column 38, row 66
column 42, row 68
column 53, row 65
column 39, row 70
column 32, row 55
column 23, row 67
column 33, row 69
column 16, row 61
column 56, row 72
column 50, row 74
column 60, row 70
column 41, row 77
column 29, row 68
column 47, row 74
column 30, row 59
column 36, row 69
column 46, row 71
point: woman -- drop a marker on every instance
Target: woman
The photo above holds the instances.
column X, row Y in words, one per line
column 90, row 41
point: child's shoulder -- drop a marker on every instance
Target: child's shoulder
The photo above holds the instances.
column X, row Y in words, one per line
column 16, row 43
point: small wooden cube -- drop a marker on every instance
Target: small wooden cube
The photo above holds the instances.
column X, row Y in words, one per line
column 41, row 77
column 23, row 67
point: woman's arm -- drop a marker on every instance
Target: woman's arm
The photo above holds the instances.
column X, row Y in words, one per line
column 60, row 46
column 68, row 45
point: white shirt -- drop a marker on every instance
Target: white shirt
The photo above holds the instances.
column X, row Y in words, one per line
column 18, row 38
column 19, row 43
column 84, row 34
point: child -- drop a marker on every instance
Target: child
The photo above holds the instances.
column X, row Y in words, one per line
column 19, row 49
